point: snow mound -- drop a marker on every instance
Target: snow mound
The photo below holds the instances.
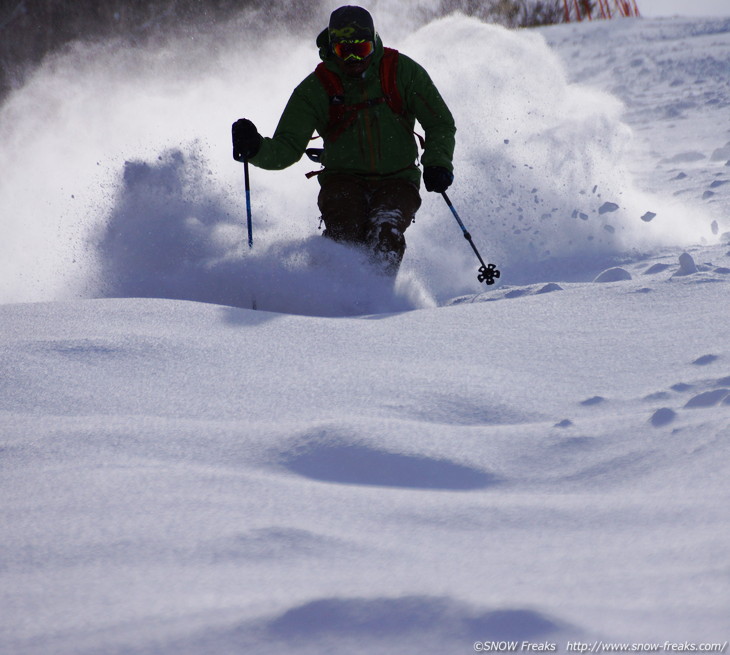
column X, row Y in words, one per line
column 615, row 274
column 360, row 625
column 348, row 463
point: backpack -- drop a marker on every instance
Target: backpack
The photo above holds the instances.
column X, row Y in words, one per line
column 341, row 116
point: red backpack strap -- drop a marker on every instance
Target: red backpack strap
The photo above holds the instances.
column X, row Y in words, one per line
column 388, row 80
column 335, row 93
column 341, row 116
column 330, row 81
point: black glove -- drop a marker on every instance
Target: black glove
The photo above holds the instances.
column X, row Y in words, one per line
column 246, row 139
column 437, row 178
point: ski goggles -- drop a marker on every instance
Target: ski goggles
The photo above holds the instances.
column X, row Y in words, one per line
column 357, row 50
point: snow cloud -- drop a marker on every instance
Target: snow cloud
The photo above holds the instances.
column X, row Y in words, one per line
column 112, row 155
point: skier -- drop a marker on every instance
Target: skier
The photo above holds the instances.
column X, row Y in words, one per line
column 363, row 100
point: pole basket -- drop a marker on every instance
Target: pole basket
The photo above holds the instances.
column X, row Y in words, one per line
column 488, row 273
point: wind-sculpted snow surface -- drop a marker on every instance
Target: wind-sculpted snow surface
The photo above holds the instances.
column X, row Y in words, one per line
column 544, row 467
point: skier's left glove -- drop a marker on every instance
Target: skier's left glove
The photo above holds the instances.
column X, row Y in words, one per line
column 437, row 178
column 246, row 139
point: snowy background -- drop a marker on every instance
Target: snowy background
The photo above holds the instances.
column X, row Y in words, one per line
column 352, row 469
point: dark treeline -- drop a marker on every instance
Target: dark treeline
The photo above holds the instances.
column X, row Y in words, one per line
column 31, row 29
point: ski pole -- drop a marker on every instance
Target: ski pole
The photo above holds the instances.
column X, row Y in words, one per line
column 247, row 184
column 487, row 272
column 248, row 203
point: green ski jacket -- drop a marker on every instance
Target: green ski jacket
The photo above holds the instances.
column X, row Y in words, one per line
column 379, row 143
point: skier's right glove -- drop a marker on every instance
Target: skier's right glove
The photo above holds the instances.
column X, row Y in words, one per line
column 437, row 178
column 246, row 139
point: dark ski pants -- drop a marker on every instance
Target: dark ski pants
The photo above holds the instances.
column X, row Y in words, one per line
column 370, row 212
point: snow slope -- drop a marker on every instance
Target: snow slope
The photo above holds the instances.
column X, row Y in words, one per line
column 350, row 469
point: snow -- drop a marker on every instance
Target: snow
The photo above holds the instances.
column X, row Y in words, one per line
column 349, row 468
column 705, row 8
